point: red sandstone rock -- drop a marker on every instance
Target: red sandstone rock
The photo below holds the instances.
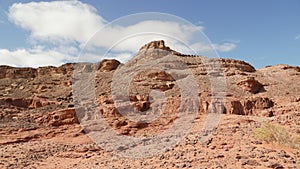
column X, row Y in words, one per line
column 107, row 65
column 251, row 85
column 59, row 117
column 39, row 126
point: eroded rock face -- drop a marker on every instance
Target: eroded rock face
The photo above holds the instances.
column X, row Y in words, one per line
column 15, row 73
column 237, row 108
column 161, row 75
column 59, row 117
column 155, row 45
column 108, row 65
column 260, row 103
column 27, row 73
column 250, row 106
column 140, row 103
column 237, row 64
column 30, row 103
column 37, row 110
column 251, row 85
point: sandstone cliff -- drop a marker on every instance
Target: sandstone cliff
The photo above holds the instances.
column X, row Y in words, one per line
column 37, row 110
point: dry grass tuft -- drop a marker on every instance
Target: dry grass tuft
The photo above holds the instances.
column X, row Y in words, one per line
column 273, row 133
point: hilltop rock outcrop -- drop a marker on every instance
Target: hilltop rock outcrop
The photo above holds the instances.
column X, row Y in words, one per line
column 156, row 45
column 107, row 65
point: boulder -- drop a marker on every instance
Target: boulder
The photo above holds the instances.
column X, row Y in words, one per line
column 107, row 65
column 59, row 117
column 251, row 85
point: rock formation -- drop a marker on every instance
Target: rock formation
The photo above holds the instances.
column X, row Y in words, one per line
column 251, row 85
column 155, row 45
column 40, row 128
column 107, row 65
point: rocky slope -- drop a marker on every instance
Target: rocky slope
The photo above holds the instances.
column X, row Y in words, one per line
column 46, row 121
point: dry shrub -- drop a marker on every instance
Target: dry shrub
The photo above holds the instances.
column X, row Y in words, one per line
column 273, row 133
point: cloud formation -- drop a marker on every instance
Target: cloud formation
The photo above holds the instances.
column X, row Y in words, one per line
column 68, row 25
column 225, row 47
column 33, row 57
column 134, row 36
column 57, row 20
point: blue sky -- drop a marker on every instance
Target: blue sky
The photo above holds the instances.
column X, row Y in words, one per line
column 259, row 32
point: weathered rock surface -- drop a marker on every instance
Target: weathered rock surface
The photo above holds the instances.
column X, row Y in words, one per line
column 30, row 103
column 251, row 85
column 155, row 45
column 107, row 65
column 59, row 117
column 27, row 73
column 39, row 127
column 251, row 106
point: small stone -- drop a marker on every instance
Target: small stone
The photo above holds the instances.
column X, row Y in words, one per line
column 252, row 155
column 282, row 153
column 238, row 157
column 264, row 159
column 183, row 165
column 244, row 161
column 253, row 163
column 275, row 165
column 220, row 156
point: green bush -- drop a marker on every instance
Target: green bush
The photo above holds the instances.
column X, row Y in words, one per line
column 272, row 133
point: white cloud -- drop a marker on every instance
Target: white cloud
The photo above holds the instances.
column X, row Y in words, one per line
column 53, row 21
column 33, row 57
column 134, row 36
column 66, row 26
column 91, row 57
column 225, row 47
column 203, row 47
column 64, row 21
